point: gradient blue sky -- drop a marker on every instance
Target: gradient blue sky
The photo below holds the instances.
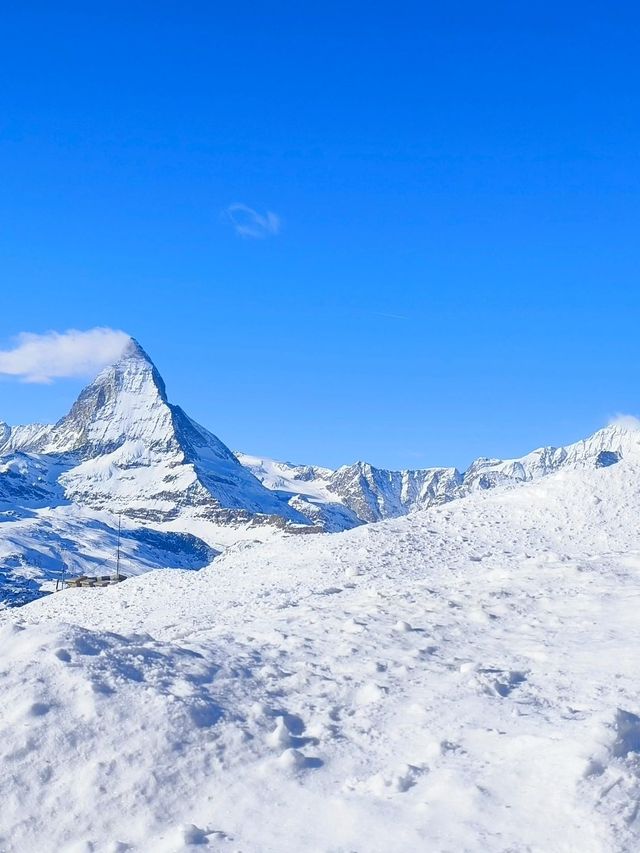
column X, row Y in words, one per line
column 456, row 271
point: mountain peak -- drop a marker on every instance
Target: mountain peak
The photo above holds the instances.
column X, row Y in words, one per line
column 133, row 349
column 127, row 447
column 130, row 372
column 622, row 424
column 126, row 401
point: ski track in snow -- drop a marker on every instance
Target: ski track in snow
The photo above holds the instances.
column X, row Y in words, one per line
column 463, row 679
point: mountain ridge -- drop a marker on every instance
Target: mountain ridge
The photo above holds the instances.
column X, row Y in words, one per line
column 379, row 493
column 124, row 421
column 125, row 449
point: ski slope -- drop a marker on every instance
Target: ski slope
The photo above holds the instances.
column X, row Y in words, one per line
column 461, row 679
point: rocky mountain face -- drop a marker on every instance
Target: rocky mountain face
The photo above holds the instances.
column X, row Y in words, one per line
column 372, row 494
column 364, row 493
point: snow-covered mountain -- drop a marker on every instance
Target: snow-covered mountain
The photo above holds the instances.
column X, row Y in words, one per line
column 374, row 494
column 366, row 493
column 305, row 488
column 603, row 448
column 125, row 449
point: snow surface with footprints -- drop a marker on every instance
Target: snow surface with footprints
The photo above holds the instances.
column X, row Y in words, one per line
column 463, row 679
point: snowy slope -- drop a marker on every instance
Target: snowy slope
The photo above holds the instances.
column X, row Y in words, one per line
column 309, row 480
column 462, row 679
column 35, row 546
column 28, row 480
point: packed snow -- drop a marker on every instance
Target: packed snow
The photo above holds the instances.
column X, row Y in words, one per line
column 461, row 679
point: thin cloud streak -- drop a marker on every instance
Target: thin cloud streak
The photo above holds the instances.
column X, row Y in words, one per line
column 390, row 316
column 247, row 222
column 57, row 355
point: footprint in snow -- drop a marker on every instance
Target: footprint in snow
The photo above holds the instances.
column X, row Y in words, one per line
column 187, row 836
column 386, row 785
column 497, row 682
column 192, row 834
column 291, row 758
column 288, row 733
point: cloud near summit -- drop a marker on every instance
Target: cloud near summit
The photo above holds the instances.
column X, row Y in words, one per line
column 625, row 421
column 57, row 355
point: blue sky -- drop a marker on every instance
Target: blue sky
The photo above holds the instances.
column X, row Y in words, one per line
column 447, row 199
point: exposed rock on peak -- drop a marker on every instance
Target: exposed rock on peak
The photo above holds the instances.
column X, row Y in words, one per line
column 129, row 450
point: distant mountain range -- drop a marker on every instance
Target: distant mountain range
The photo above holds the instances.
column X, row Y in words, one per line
column 125, row 449
column 373, row 494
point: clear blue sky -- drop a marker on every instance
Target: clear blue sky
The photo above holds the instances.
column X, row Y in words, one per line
column 456, row 272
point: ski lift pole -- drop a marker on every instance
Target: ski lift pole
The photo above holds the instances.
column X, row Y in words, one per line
column 118, row 548
column 60, row 581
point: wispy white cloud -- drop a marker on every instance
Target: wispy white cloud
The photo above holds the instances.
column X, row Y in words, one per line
column 247, row 222
column 625, row 421
column 54, row 355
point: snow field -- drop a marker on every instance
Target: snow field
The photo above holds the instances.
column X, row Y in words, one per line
column 463, row 679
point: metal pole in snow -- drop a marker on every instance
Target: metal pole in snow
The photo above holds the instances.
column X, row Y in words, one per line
column 118, row 551
column 61, row 579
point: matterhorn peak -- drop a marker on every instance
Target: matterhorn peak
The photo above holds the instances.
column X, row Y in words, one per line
column 126, row 401
column 133, row 349
column 132, row 368
column 128, row 448
column 133, row 353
